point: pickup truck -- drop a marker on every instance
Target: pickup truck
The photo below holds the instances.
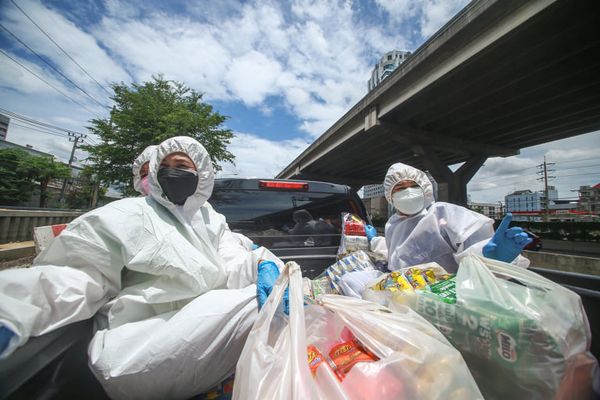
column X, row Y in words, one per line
column 297, row 220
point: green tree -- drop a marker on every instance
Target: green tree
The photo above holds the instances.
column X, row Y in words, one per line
column 82, row 192
column 15, row 185
column 147, row 114
column 43, row 170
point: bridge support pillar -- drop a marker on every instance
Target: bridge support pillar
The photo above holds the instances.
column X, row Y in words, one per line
column 452, row 186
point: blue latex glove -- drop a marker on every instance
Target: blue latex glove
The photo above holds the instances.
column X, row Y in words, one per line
column 507, row 243
column 255, row 246
column 370, row 231
column 5, row 337
column 267, row 275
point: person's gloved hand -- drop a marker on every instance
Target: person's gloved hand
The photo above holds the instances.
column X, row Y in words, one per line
column 5, row 336
column 370, row 231
column 267, row 275
column 255, row 246
column 507, row 243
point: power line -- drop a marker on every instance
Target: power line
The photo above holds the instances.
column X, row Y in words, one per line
column 57, row 45
column 36, row 122
column 574, row 161
column 580, row 167
column 520, row 183
column 53, row 67
column 516, row 176
column 33, row 128
column 590, row 173
column 46, row 82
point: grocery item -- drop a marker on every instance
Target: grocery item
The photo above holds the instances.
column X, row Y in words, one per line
column 321, row 286
column 444, row 290
column 346, row 348
column 315, row 358
column 415, row 278
column 354, row 236
column 355, row 243
column 394, row 281
column 354, row 283
column 342, row 356
column 356, row 261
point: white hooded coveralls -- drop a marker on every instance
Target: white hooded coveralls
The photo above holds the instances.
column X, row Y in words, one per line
column 174, row 283
column 441, row 232
column 142, row 159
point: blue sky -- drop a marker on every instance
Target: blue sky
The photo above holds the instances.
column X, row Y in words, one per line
column 282, row 71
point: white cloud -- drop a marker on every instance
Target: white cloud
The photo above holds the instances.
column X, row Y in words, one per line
column 398, row 9
column 252, row 77
column 432, row 14
column 435, row 13
column 261, row 158
column 316, row 58
column 82, row 46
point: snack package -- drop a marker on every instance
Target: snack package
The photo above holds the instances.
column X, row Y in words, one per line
column 402, row 286
column 342, row 356
column 322, row 285
column 357, row 261
column 354, row 237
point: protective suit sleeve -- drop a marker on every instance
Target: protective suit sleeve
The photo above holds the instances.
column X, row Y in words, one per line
column 70, row 280
column 238, row 260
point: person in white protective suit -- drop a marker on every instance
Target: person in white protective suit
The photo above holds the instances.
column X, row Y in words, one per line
column 176, row 287
column 141, row 168
column 423, row 230
column 141, row 184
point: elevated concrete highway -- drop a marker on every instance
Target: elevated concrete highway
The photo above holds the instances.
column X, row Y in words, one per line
column 500, row 76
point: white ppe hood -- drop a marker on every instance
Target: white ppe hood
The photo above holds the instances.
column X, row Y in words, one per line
column 401, row 172
column 143, row 158
column 198, row 154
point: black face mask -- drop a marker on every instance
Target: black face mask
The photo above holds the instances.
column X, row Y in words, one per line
column 177, row 184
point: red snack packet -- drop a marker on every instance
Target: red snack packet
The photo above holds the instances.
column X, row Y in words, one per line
column 345, row 355
column 315, row 358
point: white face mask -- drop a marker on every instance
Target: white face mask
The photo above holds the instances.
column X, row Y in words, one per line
column 409, row 201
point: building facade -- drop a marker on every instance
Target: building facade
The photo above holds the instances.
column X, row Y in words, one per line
column 370, row 191
column 589, row 199
column 386, row 65
column 28, row 148
column 490, row 210
column 530, row 204
column 4, row 121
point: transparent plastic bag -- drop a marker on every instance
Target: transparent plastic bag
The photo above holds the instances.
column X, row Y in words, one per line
column 410, row 358
column 354, row 237
column 522, row 335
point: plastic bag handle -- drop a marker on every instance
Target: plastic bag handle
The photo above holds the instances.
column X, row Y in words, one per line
column 290, row 274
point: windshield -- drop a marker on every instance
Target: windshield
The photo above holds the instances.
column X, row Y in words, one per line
column 284, row 219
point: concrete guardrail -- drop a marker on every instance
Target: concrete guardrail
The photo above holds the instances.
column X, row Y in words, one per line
column 564, row 262
column 591, row 249
column 17, row 225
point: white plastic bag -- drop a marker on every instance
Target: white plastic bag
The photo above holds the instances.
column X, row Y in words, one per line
column 415, row 361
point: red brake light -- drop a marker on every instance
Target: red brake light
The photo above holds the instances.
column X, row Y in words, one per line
column 283, row 185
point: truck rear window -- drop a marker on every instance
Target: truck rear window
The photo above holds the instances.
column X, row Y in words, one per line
column 280, row 219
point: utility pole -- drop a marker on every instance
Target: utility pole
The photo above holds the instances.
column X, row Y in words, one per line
column 75, row 138
column 544, row 170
